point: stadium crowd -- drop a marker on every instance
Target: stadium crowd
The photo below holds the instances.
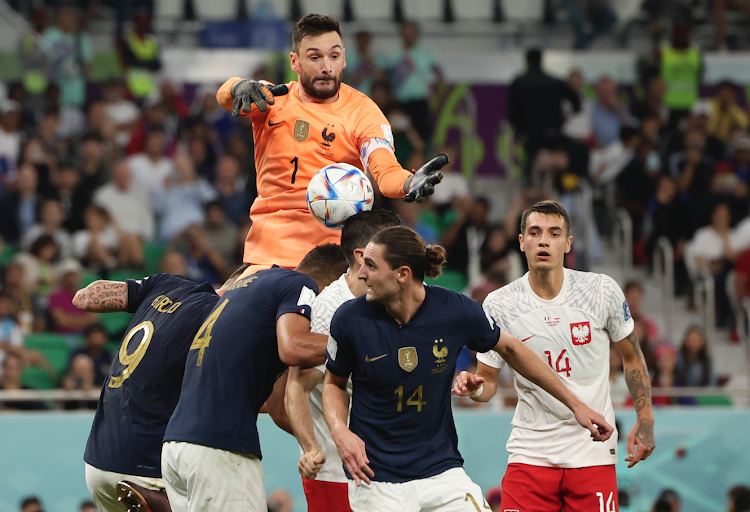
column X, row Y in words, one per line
column 126, row 178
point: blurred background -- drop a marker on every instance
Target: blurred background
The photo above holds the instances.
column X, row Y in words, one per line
column 117, row 162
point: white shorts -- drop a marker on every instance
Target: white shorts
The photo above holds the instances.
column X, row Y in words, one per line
column 450, row 491
column 102, row 486
column 203, row 479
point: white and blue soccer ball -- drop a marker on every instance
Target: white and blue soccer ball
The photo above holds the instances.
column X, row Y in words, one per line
column 337, row 192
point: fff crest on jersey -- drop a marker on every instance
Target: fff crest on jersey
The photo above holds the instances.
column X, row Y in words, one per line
column 407, row 358
column 301, row 130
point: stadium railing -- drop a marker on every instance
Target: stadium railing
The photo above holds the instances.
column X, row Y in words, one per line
column 664, row 277
column 704, row 295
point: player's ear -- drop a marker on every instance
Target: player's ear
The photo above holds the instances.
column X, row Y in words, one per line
column 404, row 274
column 343, row 56
column 520, row 242
column 293, row 62
column 359, row 255
column 568, row 244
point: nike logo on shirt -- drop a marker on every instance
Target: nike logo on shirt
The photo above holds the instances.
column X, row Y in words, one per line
column 369, row 359
column 528, row 338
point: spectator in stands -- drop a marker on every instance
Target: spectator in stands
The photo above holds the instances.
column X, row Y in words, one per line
column 465, row 237
column 409, row 213
column 700, row 114
column 175, row 107
column 31, row 504
column 174, row 263
column 412, row 71
column 80, row 377
column 280, row 501
column 97, row 246
column 606, row 163
column 681, row 67
column 608, row 113
column 739, row 499
column 98, row 122
column 73, row 197
column 634, row 296
column 73, row 53
column 491, row 281
column 10, row 139
column 182, row 200
column 121, row 112
column 694, row 171
column 207, row 109
column 668, row 215
column 151, row 168
column 11, row 337
column 88, row 506
column 736, row 172
column 231, row 190
column 198, row 151
column 91, row 163
column 70, row 122
column 66, row 318
column 693, row 367
column 127, row 205
column 407, row 140
column 664, row 373
column 720, row 7
column 636, row 184
column 203, row 262
column 14, row 288
column 362, row 69
column 139, row 54
column 726, row 115
column 577, row 124
column 535, row 102
column 94, row 339
column 154, row 119
column 653, row 103
column 494, row 497
column 648, row 344
column 496, row 254
column 670, row 496
column 10, row 380
column 220, row 231
column 50, row 223
column 456, row 184
column 590, row 20
column 18, row 209
column 38, row 265
column 710, row 251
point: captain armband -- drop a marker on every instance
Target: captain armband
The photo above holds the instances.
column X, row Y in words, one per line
column 370, row 146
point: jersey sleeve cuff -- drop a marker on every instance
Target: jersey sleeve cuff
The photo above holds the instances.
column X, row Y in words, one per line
column 493, row 362
column 132, row 293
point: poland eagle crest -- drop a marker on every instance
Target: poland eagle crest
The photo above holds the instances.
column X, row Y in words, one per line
column 581, row 333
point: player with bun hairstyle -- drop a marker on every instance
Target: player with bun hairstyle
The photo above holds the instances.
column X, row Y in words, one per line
column 399, row 342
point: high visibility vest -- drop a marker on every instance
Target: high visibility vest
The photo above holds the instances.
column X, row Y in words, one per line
column 141, row 81
column 680, row 70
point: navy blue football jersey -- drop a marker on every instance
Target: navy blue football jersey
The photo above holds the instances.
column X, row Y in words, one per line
column 143, row 384
column 402, row 375
column 234, row 361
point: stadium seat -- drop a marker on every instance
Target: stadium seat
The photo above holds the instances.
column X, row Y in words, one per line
column 115, row 323
column 105, row 66
column 7, row 255
column 152, row 256
column 451, row 279
column 57, row 352
column 112, row 346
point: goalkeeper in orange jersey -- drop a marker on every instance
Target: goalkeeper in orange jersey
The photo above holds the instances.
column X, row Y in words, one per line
column 303, row 126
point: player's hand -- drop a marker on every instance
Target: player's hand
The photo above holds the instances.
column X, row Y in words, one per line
column 466, row 383
column 595, row 422
column 352, row 452
column 422, row 183
column 310, row 463
column 249, row 91
column 641, row 442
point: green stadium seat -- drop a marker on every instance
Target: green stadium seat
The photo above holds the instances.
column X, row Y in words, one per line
column 124, row 275
column 714, row 400
column 57, row 352
column 37, row 378
column 88, row 278
column 451, row 279
column 115, row 323
column 7, row 255
column 152, row 256
column 112, row 347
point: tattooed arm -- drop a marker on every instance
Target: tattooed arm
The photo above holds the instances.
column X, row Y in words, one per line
column 639, row 385
column 103, row 297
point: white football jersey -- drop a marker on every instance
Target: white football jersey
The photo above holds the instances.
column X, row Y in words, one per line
column 571, row 333
column 323, row 308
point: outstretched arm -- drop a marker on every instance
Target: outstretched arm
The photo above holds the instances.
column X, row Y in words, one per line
column 480, row 386
column 297, row 400
column 639, row 385
column 527, row 363
column 102, row 297
column 297, row 345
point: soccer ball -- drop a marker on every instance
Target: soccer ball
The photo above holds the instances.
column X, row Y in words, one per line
column 337, row 192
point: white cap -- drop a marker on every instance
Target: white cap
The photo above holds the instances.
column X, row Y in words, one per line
column 702, row 108
column 68, row 266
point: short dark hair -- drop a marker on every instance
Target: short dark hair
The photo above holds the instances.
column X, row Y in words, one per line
column 325, row 263
column 740, row 496
column 314, row 25
column 726, row 84
column 30, row 500
column 405, row 248
column 546, row 207
column 628, row 132
column 534, row 58
column 90, row 329
column 633, row 285
column 359, row 229
column 87, row 504
column 216, row 203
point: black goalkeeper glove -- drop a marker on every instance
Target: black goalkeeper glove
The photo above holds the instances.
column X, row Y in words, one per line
column 422, row 183
column 249, row 91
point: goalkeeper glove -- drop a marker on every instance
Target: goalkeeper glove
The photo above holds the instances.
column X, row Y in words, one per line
column 249, row 91
column 422, row 183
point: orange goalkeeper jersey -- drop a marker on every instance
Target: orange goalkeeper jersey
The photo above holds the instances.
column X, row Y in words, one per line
column 293, row 141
